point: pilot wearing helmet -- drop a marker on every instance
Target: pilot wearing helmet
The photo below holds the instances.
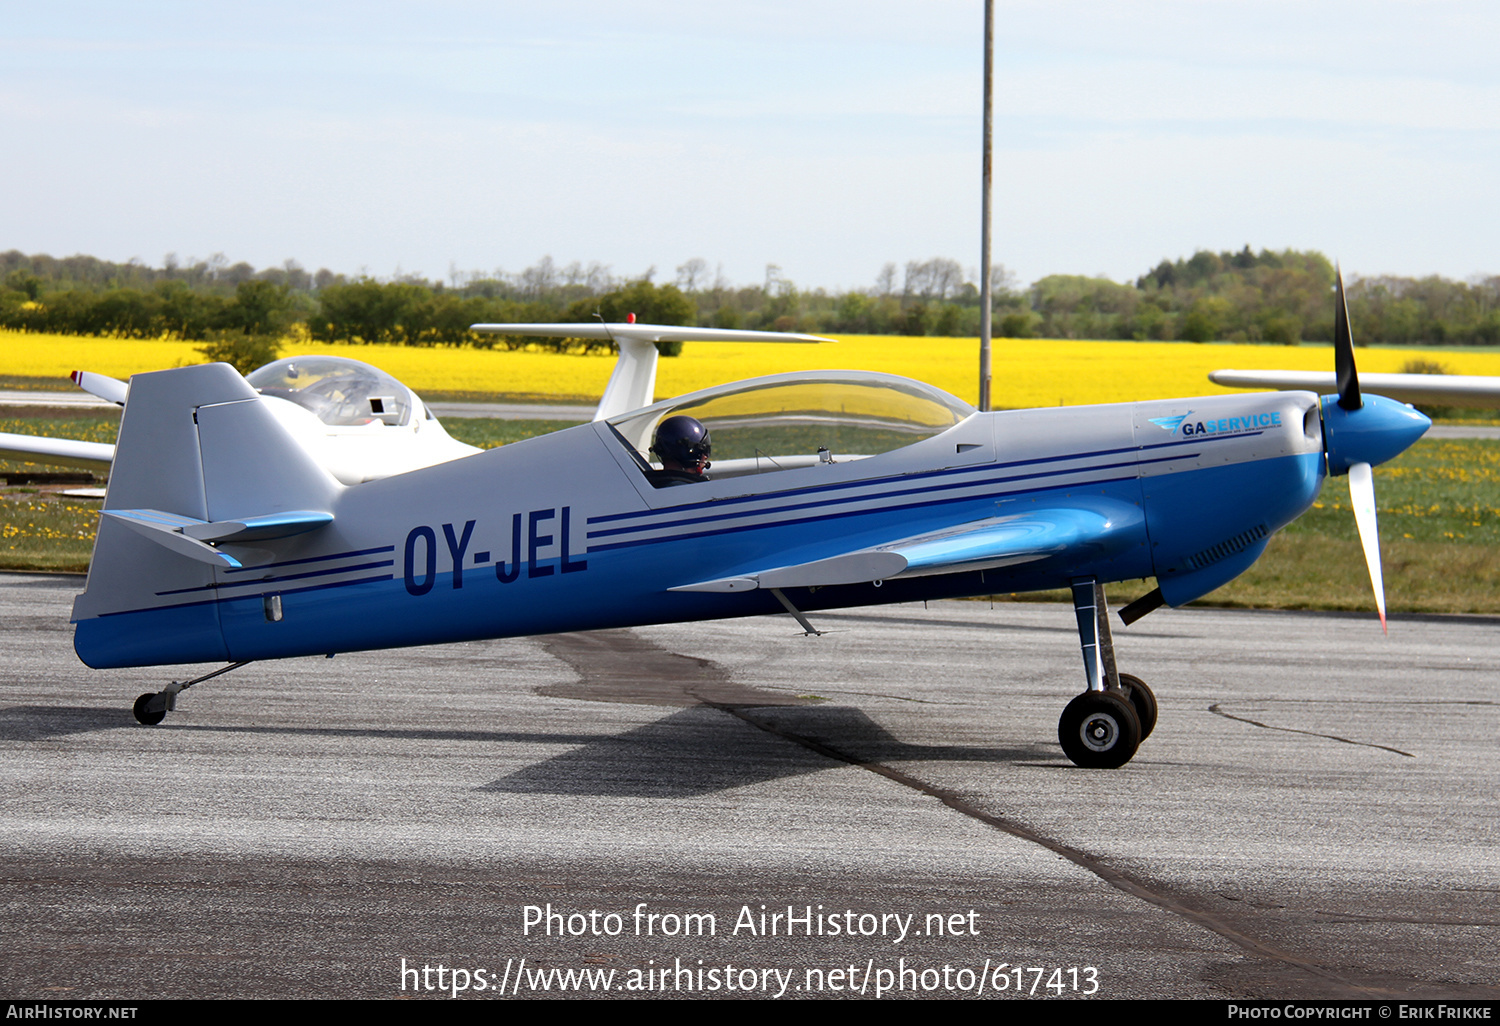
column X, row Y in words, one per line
column 683, row 445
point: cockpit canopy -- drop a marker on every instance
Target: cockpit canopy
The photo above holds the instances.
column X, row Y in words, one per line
column 784, row 420
column 337, row 390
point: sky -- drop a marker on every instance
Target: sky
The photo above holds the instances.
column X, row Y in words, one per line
column 827, row 138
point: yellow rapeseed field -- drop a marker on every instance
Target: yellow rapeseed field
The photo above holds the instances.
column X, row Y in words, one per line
column 1027, row 372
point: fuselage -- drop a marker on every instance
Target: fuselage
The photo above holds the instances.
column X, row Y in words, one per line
column 564, row 532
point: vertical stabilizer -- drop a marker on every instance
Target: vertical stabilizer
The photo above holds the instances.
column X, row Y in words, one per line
column 157, row 463
column 196, row 445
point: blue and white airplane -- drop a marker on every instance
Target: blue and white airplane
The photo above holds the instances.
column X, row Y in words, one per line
column 223, row 539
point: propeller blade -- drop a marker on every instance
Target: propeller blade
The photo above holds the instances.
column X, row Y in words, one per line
column 1362, row 497
column 1343, row 351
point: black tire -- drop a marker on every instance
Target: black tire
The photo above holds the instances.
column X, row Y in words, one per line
column 1144, row 701
column 1099, row 730
column 150, row 719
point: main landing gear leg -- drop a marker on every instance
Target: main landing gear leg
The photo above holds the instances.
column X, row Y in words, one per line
column 151, row 709
column 1102, row 727
column 808, row 630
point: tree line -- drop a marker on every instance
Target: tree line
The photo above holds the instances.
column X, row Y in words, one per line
column 1274, row 297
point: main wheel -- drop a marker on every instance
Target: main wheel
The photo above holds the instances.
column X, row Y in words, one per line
column 1099, row 730
column 1142, row 699
column 150, row 719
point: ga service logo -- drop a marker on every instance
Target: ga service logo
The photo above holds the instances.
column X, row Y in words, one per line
column 1254, row 422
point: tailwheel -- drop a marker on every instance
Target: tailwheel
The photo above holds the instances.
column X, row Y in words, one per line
column 151, row 709
column 145, row 714
column 1142, row 699
column 1099, row 730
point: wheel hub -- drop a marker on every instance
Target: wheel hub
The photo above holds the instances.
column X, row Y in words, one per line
column 1100, row 732
column 1099, row 729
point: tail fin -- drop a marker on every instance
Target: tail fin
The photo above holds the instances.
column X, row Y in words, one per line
column 198, row 456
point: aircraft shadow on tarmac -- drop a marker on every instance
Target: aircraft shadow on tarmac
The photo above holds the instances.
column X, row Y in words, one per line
column 44, row 722
column 690, row 752
column 711, row 744
column 698, row 751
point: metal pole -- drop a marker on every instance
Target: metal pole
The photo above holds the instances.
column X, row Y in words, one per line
column 985, row 301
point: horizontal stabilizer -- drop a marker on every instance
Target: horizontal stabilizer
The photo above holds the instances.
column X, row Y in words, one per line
column 56, row 452
column 166, row 529
column 191, row 537
column 253, row 529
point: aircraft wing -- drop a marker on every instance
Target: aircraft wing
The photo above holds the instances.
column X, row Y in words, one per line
column 56, row 452
column 633, row 383
column 645, row 332
column 978, row 545
column 109, row 389
column 1000, row 541
column 64, row 452
column 1439, row 389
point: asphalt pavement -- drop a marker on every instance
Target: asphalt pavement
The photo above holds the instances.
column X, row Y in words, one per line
column 732, row 809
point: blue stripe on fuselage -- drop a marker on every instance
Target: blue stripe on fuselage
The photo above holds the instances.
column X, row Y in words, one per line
column 664, row 524
column 980, row 468
column 325, row 572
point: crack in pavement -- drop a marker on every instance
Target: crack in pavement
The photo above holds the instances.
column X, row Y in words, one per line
column 1218, row 710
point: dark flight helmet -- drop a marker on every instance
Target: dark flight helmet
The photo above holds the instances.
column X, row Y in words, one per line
column 682, row 440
